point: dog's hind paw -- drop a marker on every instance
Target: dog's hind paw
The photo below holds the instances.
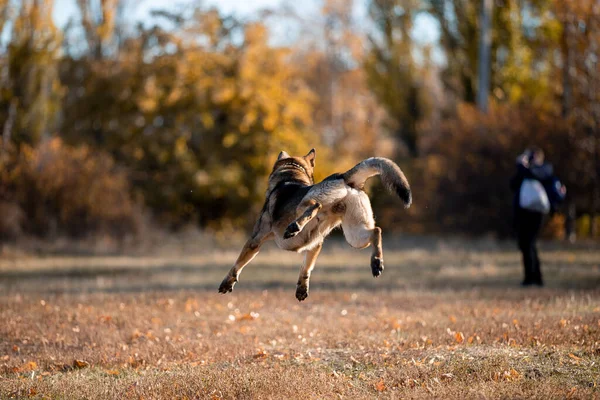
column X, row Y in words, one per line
column 227, row 284
column 301, row 292
column 376, row 266
column 292, row 230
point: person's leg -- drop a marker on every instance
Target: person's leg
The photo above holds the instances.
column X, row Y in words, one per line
column 525, row 239
column 536, row 224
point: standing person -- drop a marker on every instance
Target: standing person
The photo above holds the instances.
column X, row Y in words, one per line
column 537, row 193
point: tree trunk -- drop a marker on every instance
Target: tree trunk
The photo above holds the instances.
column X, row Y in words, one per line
column 8, row 125
column 571, row 217
column 485, row 43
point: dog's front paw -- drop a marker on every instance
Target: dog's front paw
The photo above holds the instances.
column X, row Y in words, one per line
column 376, row 266
column 301, row 292
column 291, row 231
column 227, row 284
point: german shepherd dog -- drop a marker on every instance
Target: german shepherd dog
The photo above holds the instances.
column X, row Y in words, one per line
column 298, row 214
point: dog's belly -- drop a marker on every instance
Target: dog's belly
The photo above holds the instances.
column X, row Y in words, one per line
column 313, row 233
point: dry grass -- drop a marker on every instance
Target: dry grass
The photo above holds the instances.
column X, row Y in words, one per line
column 439, row 323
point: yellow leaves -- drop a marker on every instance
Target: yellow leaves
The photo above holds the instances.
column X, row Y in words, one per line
column 224, row 93
column 229, row 139
column 181, row 146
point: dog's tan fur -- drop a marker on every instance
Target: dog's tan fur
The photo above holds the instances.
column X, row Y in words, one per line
column 299, row 214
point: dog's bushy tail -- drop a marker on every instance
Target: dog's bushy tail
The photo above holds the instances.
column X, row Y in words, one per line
column 391, row 175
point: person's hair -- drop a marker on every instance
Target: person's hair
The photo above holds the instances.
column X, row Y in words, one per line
column 533, row 150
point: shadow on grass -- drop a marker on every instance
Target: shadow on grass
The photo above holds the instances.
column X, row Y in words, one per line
column 267, row 277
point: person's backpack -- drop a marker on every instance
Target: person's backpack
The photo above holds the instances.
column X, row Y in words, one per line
column 533, row 196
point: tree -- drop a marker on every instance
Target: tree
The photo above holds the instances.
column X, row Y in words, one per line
column 31, row 94
column 392, row 71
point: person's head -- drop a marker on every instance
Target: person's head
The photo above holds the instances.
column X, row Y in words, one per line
column 536, row 156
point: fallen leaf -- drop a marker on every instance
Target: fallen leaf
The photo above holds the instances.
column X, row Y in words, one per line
column 105, row 318
column 113, row 372
column 459, row 337
column 380, row 386
column 563, row 323
column 260, row 354
column 30, row 366
column 248, row 317
column 447, row 376
column 80, row 364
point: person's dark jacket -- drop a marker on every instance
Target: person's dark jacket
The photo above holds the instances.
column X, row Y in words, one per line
column 543, row 173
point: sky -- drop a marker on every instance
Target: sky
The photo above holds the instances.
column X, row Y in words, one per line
column 425, row 31
column 64, row 9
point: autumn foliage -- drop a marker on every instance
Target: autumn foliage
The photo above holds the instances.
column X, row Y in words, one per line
column 190, row 109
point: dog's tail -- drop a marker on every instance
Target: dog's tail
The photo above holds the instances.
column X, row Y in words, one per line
column 391, row 175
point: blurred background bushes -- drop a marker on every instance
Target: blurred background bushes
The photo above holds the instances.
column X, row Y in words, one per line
column 106, row 124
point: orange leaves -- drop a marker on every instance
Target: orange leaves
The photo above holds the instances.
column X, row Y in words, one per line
column 459, row 337
column 380, row 385
column 30, row 366
column 251, row 316
column 191, row 305
column 248, row 317
column 508, row 376
column 563, row 322
column 260, row 355
column 113, row 372
column 80, row 364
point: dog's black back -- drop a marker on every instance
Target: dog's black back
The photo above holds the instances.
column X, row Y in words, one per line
column 288, row 196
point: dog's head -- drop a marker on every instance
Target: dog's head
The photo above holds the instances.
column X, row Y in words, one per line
column 297, row 168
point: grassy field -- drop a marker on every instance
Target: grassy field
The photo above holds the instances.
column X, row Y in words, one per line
column 443, row 321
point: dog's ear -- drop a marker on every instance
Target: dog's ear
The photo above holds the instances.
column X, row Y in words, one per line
column 310, row 157
column 282, row 155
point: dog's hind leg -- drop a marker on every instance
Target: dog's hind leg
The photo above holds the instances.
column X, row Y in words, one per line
column 377, row 255
column 360, row 230
column 310, row 258
column 249, row 251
